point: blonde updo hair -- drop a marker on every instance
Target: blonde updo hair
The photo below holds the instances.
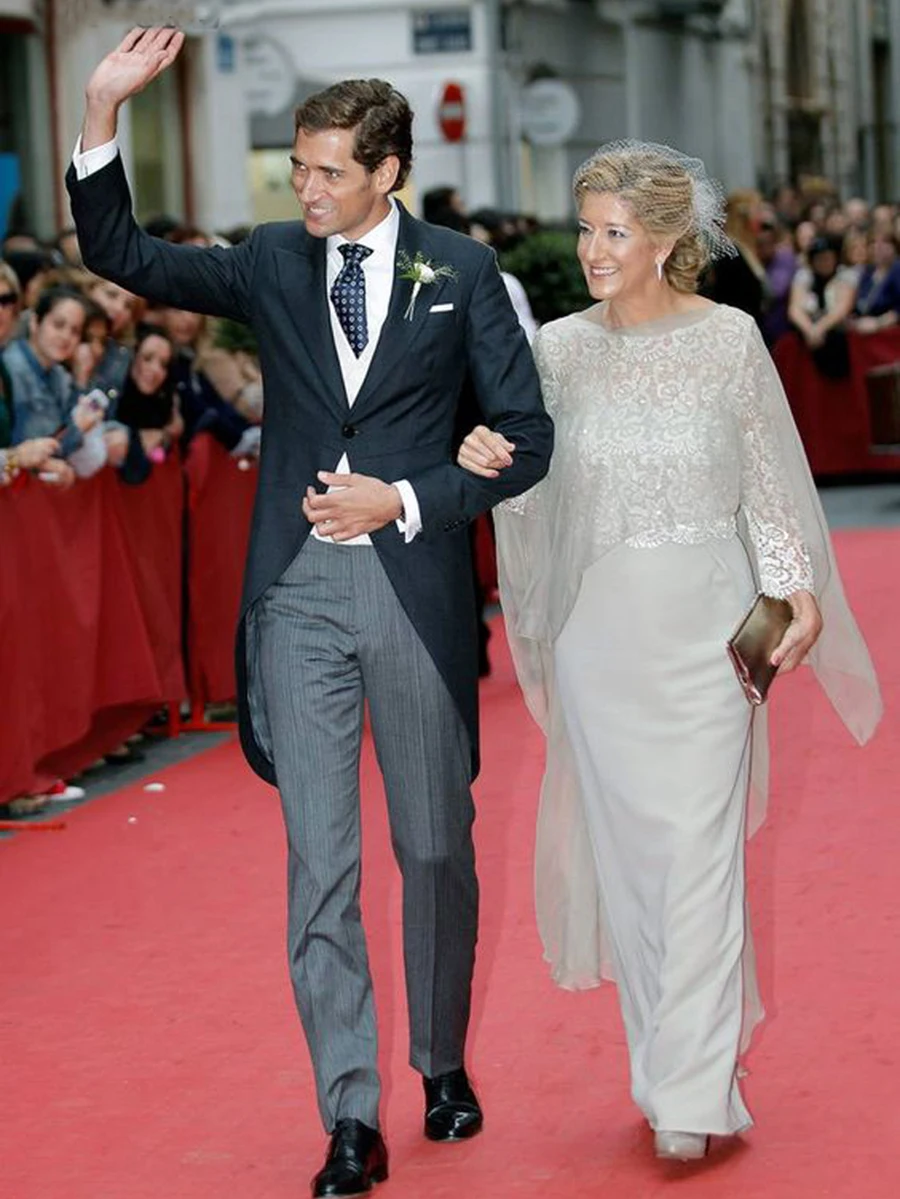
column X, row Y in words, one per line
column 661, row 192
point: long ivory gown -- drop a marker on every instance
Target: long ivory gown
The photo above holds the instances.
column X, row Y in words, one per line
column 678, row 489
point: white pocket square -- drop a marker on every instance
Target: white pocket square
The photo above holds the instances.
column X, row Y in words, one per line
column 441, row 308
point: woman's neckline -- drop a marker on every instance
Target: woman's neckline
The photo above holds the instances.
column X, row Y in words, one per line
column 654, row 327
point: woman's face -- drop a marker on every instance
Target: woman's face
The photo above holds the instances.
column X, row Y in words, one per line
column 183, row 327
column 116, row 302
column 615, row 251
column 824, row 264
column 856, row 249
column 883, row 252
column 151, row 364
column 95, row 337
column 55, row 337
column 9, row 311
column 805, row 235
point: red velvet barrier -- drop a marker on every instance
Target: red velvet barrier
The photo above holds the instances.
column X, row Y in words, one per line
column 220, row 503
column 833, row 415
column 90, row 585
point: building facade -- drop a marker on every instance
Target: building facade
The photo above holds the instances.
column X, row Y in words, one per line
column 509, row 95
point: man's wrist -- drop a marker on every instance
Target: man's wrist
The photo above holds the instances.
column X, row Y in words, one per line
column 397, row 495
column 100, row 123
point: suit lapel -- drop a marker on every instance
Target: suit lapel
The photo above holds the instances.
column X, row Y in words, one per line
column 301, row 278
column 400, row 332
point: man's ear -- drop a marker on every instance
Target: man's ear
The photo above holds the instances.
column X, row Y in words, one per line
column 385, row 174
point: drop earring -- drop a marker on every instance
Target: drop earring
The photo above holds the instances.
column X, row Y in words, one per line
column 659, row 269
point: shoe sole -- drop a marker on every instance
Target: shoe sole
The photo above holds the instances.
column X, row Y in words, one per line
column 463, row 1134
column 665, row 1156
column 379, row 1175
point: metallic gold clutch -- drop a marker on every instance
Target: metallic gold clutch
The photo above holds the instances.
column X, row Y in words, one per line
column 754, row 641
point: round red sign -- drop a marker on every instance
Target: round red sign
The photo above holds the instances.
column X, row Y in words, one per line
column 452, row 112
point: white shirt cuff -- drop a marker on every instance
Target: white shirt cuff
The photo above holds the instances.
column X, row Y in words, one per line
column 410, row 523
column 88, row 162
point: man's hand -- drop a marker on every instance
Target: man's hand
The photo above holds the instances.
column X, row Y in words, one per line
column 142, row 55
column 802, row 633
column 360, row 505
column 485, row 453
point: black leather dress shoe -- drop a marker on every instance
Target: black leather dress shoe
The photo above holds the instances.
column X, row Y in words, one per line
column 357, row 1157
column 452, row 1112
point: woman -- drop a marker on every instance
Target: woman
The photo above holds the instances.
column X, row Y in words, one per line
column 45, row 397
column 10, row 294
column 678, row 487
column 822, row 298
column 740, row 279
column 780, row 264
column 878, row 292
column 147, row 403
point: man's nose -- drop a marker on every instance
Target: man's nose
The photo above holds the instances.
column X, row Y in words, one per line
column 310, row 190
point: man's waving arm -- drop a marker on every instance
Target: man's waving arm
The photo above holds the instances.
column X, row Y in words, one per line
column 214, row 281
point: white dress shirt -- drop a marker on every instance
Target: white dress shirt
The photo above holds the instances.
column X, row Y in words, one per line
column 379, row 269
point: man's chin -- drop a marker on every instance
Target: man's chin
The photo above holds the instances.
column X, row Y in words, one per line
column 318, row 227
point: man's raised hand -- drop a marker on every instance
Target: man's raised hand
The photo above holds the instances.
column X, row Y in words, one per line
column 142, row 55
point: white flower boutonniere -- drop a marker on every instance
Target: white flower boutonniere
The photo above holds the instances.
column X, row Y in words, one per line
column 421, row 271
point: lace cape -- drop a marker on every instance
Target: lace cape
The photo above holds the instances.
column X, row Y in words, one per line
column 676, row 430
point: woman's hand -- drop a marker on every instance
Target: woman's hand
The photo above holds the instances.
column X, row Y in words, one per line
column 485, row 453
column 57, row 473
column 866, row 324
column 815, row 337
column 31, row 455
column 802, row 633
column 85, row 416
column 175, row 427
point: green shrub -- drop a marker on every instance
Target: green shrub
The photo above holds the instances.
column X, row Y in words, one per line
column 546, row 266
column 234, row 336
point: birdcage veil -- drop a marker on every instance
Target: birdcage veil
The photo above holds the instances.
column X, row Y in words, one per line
column 644, row 163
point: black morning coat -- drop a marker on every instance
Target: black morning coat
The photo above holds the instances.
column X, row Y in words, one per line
column 401, row 425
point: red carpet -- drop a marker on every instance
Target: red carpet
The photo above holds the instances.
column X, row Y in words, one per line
column 149, row 1045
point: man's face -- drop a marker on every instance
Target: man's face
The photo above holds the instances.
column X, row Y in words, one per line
column 337, row 193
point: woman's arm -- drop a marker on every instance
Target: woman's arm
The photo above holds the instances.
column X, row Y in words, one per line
column 797, row 313
column 769, row 504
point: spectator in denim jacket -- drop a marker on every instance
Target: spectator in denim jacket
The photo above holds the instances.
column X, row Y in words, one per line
column 45, row 397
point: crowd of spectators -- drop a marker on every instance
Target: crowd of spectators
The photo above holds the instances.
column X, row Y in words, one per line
column 814, row 266
column 92, row 377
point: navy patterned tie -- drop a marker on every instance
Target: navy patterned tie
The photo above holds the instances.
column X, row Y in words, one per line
column 349, row 295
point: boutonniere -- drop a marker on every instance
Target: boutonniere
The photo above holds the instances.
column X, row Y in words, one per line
column 421, row 272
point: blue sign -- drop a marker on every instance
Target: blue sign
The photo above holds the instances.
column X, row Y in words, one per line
column 10, row 184
column 446, row 31
column 225, row 53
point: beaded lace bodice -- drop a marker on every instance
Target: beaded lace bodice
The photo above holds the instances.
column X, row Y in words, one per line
column 664, row 432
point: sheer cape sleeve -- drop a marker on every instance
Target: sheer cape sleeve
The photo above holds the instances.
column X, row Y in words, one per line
column 790, row 540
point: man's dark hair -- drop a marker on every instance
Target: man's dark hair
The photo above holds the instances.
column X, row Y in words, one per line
column 380, row 116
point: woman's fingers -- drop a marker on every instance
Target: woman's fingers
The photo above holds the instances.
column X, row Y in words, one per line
column 802, row 633
column 484, row 449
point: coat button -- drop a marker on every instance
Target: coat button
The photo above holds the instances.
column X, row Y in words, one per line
column 348, row 431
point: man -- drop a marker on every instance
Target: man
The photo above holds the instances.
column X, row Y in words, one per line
column 367, row 322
